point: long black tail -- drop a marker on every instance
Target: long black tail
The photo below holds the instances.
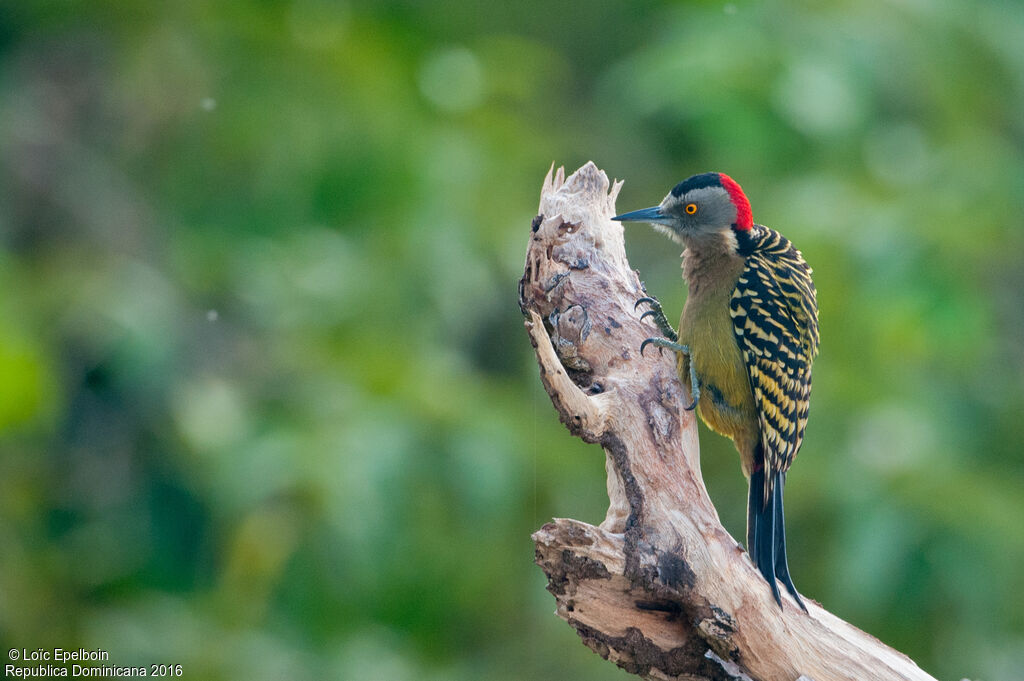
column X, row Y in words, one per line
column 766, row 533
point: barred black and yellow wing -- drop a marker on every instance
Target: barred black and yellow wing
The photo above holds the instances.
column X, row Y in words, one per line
column 775, row 317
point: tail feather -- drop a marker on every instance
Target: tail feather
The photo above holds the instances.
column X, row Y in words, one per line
column 766, row 532
column 782, row 564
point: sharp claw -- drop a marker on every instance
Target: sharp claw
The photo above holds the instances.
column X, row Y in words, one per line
column 645, row 299
column 647, row 342
column 692, row 406
column 649, row 313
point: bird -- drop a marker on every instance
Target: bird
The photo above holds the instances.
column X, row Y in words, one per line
column 747, row 338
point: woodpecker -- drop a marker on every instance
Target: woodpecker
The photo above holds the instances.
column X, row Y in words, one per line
column 747, row 338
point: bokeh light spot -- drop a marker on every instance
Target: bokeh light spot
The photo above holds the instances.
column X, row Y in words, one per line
column 452, row 80
column 818, row 99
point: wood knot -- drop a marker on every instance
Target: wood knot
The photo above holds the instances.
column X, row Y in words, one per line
column 660, row 403
column 674, row 572
column 568, row 227
column 717, row 631
column 569, row 329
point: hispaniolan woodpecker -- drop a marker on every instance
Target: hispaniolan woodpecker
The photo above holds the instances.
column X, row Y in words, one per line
column 747, row 337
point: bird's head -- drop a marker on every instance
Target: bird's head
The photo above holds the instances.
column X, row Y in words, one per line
column 703, row 205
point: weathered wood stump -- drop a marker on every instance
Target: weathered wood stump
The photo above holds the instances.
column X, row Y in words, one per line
column 660, row 587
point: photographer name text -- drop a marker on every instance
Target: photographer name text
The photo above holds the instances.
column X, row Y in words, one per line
column 46, row 662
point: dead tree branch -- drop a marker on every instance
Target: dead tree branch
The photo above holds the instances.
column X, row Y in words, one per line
column 660, row 587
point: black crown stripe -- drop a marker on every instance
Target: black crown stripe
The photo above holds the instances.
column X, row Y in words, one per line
column 696, row 182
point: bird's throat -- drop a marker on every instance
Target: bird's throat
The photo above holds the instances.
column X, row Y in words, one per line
column 707, row 258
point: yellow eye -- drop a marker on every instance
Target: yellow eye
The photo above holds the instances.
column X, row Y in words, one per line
column 691, row 208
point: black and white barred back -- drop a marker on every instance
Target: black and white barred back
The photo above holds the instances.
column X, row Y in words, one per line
column 774, row 311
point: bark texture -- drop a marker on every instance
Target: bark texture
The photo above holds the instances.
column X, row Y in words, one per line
column 660, row 588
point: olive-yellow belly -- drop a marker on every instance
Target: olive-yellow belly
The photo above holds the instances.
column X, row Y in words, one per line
column 726, row 401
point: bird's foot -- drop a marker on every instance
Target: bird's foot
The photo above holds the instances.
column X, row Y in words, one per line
column 659, row 317
column 665, row 343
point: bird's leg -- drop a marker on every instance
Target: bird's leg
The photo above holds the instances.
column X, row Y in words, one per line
column 659, row 317
column 670, row 341
column 683, row 350
column 694, row 384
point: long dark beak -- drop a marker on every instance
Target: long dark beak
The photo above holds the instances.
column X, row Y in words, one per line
column 653, row 214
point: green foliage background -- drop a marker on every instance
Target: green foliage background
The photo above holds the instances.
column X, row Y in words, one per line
column 267, row 408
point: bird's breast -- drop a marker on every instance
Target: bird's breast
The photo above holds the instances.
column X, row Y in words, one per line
column 726, row 401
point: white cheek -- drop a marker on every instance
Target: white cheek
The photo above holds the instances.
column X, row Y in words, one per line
column 670, row 233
